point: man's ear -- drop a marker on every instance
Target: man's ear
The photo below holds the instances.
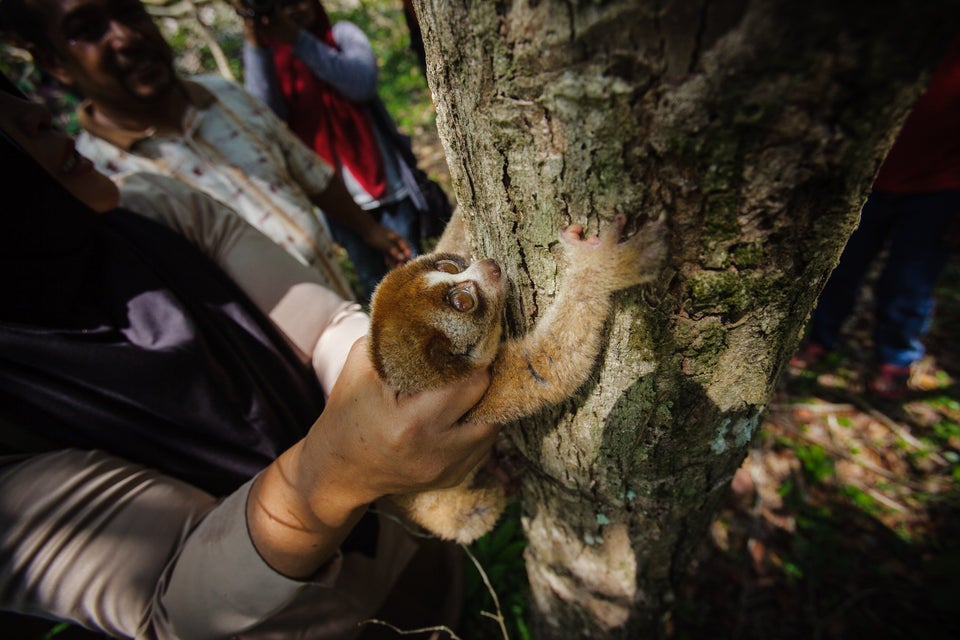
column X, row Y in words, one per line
column 48, row 60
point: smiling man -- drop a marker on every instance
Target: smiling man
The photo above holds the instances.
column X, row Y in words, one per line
column 139, row 116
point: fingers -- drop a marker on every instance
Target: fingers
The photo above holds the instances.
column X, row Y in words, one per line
column 449, row 403
column 396, row 250
column 573, row 233
column 394, row 444
column 400, row 249
column 611, row 233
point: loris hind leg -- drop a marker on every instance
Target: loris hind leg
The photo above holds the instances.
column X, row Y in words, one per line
column 462, row 513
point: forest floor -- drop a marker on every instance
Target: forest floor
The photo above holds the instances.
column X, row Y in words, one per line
column 844, row 520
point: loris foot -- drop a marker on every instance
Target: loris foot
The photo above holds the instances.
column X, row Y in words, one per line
column 459, row 514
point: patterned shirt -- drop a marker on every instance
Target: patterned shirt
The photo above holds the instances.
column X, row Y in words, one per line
column 235, row 149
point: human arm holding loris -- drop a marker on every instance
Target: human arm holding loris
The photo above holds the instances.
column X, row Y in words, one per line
column 87, row 535
column 319, row 324
column 167, row 560
column 303, row 505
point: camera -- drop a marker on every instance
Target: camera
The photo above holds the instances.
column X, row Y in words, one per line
column 256, row 8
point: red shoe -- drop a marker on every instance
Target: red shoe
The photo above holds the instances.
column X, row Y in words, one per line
column 809, row 355
column 891, row 383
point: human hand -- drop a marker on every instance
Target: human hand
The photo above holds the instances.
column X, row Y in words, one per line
column 370, row 441
column 392, row 245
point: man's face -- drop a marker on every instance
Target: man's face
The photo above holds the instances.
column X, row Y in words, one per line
column 109, row 50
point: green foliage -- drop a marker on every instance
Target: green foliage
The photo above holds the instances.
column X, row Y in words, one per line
column 816, row 463
column 403, row 87
column 17, row 65
column 56, row 630
column 861, row 499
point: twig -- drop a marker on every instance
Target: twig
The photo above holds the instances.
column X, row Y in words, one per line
column 843, row 453
column 498, row 616
column 407, row 632
column 904, row 435
column 218, row 56
column 493, row 594
column 890, row 503
column 824, row 407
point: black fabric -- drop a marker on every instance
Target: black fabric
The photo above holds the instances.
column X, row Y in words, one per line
column 118, row 334
column 439, row 210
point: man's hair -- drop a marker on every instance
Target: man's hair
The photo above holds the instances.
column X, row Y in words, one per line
column 23, row 22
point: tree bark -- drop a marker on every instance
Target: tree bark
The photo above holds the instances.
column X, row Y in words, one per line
column 755, row 128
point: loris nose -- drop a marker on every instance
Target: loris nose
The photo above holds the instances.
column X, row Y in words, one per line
column 491, row 267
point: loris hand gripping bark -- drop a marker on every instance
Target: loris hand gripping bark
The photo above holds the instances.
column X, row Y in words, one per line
column 437, row 318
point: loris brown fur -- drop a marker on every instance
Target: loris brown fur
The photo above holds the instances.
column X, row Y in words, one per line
column 438, row 318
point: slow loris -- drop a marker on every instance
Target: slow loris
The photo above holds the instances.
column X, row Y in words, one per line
column 438, row 318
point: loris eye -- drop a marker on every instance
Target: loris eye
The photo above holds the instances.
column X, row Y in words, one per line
column 462, row 299
column 447, row 266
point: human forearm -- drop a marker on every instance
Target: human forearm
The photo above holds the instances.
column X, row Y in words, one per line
column 369, row 442
column 351, row 69
column 293, row 535
column 337, row 203
column 320, row 324
column 165, row 560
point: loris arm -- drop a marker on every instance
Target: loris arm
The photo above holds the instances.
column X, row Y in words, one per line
column 550, row 363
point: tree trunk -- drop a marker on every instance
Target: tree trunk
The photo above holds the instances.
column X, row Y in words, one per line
column 756, row 128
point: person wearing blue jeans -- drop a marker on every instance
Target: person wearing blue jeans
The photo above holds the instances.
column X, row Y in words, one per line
column 913, row 228
column 911, row 213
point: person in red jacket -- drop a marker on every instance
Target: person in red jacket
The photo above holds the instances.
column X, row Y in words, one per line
column 914, row 202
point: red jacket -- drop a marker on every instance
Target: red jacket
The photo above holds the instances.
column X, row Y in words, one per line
column 926, row 154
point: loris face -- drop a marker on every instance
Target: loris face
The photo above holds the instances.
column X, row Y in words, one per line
column 436, row 319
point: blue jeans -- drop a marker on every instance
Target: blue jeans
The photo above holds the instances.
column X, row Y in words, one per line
column 913, row 227
column 401, row 217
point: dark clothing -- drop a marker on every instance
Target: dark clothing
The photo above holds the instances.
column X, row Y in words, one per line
column 141, row 346
column 915, row 226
